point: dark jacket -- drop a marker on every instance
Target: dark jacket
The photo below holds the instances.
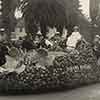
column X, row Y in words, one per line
column 3, row 52
column 27, row 44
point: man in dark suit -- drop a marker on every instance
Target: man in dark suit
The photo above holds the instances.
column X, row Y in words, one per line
column 3, row 52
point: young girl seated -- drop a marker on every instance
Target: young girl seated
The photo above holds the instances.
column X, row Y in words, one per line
column 13, row 62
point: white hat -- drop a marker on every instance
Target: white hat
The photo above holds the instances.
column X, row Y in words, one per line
column 76, row 27
column 97, row 36
column 39, row 33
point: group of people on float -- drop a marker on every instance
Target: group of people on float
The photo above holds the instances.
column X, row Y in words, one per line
column 55, row 38
column 10, row 52
column 52, row 38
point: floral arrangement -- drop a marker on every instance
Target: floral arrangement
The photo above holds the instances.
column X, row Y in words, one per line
column 73, row 68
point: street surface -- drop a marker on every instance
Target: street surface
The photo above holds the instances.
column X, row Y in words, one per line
column 85, row 93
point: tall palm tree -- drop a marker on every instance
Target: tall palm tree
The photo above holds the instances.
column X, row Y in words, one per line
column 51, row 13
column 44, row 12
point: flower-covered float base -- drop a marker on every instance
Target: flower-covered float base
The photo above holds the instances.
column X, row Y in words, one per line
column 68, row 70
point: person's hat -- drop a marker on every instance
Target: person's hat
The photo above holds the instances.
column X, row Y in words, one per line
column 2, row 29
column 97, row 36
column 39, row 33
column 76, row 27
column 57, row 33
column 13, row 52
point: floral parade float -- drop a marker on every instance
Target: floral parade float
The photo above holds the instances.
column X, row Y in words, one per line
column 40, row 70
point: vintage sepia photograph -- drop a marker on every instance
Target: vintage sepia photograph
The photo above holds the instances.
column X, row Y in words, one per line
column 49, row 49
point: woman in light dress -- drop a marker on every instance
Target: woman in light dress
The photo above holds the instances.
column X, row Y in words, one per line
column 74, row 39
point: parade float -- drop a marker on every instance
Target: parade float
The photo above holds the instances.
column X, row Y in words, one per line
column 54, row 69
column 41, row 70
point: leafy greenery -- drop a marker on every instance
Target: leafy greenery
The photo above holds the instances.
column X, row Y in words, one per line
column 51, row 13
column 8, row 17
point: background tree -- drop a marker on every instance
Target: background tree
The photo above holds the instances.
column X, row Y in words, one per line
column 51, row 13
column 44, row 12
column 8, row 19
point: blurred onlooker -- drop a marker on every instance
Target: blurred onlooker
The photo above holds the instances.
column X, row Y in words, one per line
column 97, row 46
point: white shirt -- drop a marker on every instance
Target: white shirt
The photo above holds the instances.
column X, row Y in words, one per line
column 48, row 43
column 65, row 32
column 73, row 39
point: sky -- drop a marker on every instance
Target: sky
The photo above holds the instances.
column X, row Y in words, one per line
column 85, row 7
